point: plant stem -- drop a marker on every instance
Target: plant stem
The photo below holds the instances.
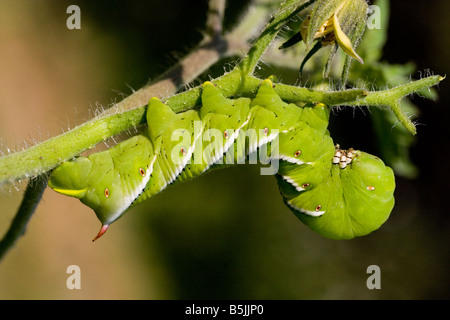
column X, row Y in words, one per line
column 31, row 198
column 209, row 51
column 286, row 10
column 214, row 20
column 391, row 98
column 45, row 156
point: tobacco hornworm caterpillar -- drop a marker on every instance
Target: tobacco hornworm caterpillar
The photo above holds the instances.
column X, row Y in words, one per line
column 339, row 194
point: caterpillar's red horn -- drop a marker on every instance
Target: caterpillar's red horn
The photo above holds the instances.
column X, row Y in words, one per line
column 101, row 232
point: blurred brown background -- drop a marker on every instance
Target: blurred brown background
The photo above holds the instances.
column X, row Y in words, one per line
column 225, row 235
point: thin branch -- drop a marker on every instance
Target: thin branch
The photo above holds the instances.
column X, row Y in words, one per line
column 214, row 20
column 285, row 11
column 391, row 98
column 32, row 196
column 207, row 53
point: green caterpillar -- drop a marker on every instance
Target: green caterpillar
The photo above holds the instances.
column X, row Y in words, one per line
column 338, row 193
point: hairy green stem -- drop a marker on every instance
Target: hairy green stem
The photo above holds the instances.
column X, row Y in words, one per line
column 391, row 98
column 45, row 156
column 286, row 10
column 240, row 81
